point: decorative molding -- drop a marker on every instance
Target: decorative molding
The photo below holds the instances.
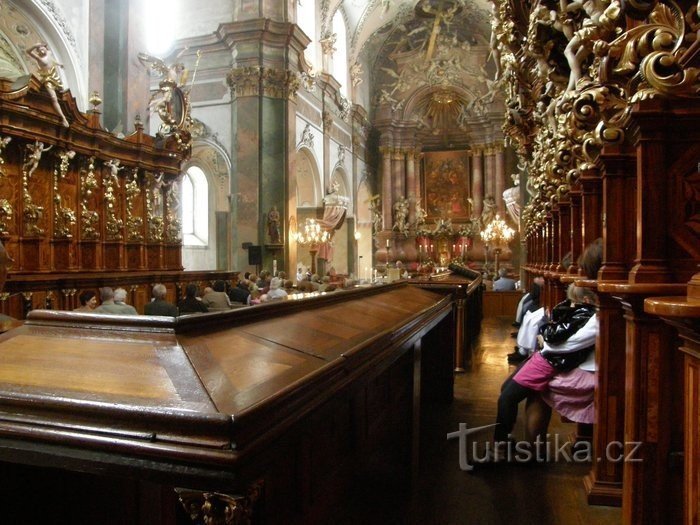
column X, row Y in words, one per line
column 154, row 207
column 244, row 81
column 64, row 218
column 224, row 509
column 253, row 80
column 307, row 138
column 173, row 226
column 31, row 213
column 327, row 118
column 62, row 23
column 4, row 141
column 134, row 223
column 89, row 219
column 113, row 224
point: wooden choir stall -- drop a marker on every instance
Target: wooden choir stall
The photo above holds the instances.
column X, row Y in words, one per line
column 266, row 414
column 79, row 204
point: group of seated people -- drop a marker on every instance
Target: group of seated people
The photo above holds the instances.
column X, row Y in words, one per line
column 248, row 291
column 557, row 369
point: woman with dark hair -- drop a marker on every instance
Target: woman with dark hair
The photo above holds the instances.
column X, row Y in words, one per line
column 190, row 304
column 88, row 301
column 532, row 316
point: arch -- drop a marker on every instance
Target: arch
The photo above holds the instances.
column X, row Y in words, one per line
column 340, row 58
column 51, row 26
column 308, row 179
column 340, row 177
column 416, row 98
column 194, row 207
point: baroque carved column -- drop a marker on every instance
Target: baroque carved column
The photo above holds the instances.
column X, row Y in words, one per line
column 387, row 201
column 500, row 174
column 411, row 193
column 478, row 181
column 398, row 159
column 489, row 172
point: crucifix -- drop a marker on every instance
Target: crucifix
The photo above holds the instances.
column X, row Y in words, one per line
column 443, row 11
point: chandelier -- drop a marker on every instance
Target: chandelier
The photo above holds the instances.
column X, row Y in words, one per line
column 312, row 234
column 497, row 232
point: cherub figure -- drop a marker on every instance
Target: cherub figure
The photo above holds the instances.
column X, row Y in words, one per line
column 34, row 152
column 601, row 17
column 49, row 75
column 114, row 169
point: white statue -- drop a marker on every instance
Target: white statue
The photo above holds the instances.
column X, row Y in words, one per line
column 33, row 157
column 401, row 215
column 49, row 75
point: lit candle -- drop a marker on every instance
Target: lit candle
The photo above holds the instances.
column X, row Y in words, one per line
column 387, row 244
column 454, row 248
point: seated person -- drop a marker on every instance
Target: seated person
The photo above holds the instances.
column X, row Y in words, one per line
column 190, row 304
column 109, row 306
column 88, row 301
column 530, row 301
column 217, row 298
column 276, row 292
column 568, row 340
column 120, row 299
column 159, row 306
column 503, row 283
column 533, row 317
column 239, row 293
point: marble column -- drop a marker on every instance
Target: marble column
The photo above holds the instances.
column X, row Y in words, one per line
column 387, row 201
column 413, row 197
column 489, row 173
column 478, row 181
column 263, row 108
column 398, row 161
column 500, row 174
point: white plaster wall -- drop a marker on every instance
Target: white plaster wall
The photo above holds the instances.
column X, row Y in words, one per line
column 196, row 18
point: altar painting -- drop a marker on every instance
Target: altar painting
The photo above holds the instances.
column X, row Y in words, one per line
column 446, row 185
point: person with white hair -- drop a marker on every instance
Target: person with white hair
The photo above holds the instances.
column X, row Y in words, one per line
column 276, row 291
column 159, row 306
column 108, row 305
column 120, row 300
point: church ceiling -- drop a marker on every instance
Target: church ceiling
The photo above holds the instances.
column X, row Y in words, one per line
column 429, row 65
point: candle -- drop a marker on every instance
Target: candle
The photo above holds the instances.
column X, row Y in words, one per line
column 387, row 244
column 274, row 267
column 454, row 248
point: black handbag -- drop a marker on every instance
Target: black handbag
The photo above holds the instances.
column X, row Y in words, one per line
column 568, row 361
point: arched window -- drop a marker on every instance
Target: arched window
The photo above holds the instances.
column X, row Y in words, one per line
column 306, row 20
column 340, row 57
column 195, row 207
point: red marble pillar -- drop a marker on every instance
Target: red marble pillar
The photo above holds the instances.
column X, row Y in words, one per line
column 478, row 181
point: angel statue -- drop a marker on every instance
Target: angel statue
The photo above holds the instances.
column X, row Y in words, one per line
column 375, row 209
column 174, row 75
column 401, row 215
column 49, row 75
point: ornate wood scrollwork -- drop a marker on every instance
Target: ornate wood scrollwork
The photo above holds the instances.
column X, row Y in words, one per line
column 214, row 508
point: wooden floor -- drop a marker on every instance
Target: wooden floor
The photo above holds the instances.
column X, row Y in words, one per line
column 503, row 493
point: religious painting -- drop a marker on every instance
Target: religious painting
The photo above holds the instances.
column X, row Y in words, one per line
column 446, row 186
